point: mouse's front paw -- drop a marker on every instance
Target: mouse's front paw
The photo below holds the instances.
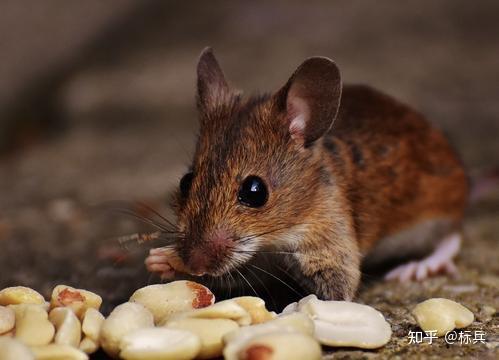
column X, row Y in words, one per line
column 160, row 261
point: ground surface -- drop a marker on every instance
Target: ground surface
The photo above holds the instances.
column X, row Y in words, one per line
column 130, row 127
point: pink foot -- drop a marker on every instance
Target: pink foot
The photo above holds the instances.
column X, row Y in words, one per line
column 440, row 261
column 159, row 261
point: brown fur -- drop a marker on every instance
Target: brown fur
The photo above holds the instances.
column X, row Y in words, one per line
column 379, row 170
column 408, row 172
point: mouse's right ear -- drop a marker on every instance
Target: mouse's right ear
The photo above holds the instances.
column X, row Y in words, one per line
column 310, row 99
column 212, row 87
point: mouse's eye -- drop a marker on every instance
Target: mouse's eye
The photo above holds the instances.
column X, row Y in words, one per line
column 253, row 192
column 185, row 184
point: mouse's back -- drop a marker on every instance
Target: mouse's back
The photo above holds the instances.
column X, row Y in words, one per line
column 397, row 168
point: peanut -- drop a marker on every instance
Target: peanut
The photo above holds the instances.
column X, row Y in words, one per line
column 163, row 300
column 296, row 321
column 343, row 323
column 88, row 346
column 210, row 331
column 255, row 307
column 92, row 324
column 159, row 343
column 290, row 323
column 78, row 300
column 14, row 349
column 123, row 319
column 442, row 315
column 32, row 325
column 226, row 309
column 7, row 319
column 20, row 295
column 68, row 327
column 279, row 345
column 58, row 352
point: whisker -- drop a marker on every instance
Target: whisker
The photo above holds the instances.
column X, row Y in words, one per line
column 220, row 281
column 286, row 272
column 210, row 286
column 229, row 282
column 127, row 208
column 264, row 287
column 278, row 279
column 247, row 282
column 277, row 253
column 267, row 252
column 283, row 227
column 144, row 219
column 237, row 283
column 155, row 212
column 252, row 236
column 167, row 247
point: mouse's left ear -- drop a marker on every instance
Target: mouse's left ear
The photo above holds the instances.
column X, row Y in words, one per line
column 311, row 99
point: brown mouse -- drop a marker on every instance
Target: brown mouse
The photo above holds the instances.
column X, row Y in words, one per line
column 333, row 176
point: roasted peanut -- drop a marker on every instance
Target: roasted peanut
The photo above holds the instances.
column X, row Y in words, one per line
column 159, row 343
column 290, row 323
column 226, row 309
column 343, row 323
column 7, row 319
column 12, row 349
column 255, row 308
column 88, row 346
column 32, row 325
column 123, row 319
column 278, row 345
column 58, row 352
column 442, row 315
column 92, row 324
column 67, row 325
column 296, row 321
column 78, row 300
column 20, row 295
column 163, row 300
column 210, row 331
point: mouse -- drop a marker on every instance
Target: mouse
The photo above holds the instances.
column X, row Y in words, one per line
column 331, row 176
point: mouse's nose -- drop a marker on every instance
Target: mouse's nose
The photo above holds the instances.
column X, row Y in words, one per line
column 205, row 257
column 198, row 262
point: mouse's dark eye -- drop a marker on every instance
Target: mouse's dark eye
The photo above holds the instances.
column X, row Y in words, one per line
column 185, row 184
column 253, row 192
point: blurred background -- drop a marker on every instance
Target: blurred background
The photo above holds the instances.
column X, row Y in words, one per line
column 97, row 105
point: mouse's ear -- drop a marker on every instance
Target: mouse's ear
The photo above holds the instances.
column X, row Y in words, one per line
column 311, row 99
column 211, row 84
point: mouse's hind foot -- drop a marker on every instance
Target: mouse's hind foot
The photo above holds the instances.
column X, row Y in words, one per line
column 438, row 262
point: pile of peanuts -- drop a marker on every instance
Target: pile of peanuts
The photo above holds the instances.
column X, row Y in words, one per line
column 179, row 320
column 67, row 327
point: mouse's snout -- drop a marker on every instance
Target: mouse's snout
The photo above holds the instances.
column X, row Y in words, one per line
column 210, row 255
column 198, row 262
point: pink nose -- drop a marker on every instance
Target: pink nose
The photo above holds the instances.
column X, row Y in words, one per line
column 198, row 262
column 209, row 253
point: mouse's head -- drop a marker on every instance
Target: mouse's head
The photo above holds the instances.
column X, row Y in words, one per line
column 257, row 169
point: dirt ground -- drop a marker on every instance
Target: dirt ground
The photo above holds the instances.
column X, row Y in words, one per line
column 129, row 127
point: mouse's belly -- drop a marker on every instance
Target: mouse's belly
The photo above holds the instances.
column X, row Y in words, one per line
column 411, row 243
